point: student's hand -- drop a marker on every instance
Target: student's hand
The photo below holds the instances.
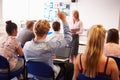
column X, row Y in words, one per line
column 53, row 56
column 62, row 16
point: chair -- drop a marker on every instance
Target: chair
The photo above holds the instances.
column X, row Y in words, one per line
column 62, row 54
column 25, row 68
column 40, row 69
column 98, row 77
column 4, row 64
column 62, row 78
column 117, row 60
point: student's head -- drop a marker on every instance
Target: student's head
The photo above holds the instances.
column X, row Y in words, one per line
column 41, row 28
column 56, row 26
column 11, row 28
column 75, row 14
column 113, row 36
column 94, row 49
column 29, row 24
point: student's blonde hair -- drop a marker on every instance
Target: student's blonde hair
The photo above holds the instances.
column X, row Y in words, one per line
column 94, row 49
column 41, row 28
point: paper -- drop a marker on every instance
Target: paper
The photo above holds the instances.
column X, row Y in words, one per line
column 63, row 60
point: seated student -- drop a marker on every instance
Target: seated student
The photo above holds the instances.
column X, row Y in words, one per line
column 39, row 49
column 27, row 33
column 93, row 61
column 112, row 47
column 56, row 36
column 10, row 47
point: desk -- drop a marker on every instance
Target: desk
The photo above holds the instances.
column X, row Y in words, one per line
column 82, row 42
column 81, row 48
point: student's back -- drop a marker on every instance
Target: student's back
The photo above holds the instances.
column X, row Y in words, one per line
column 112, row 47
column 104, row 65
column 56, row 36
column 10, row 47
column 26, row 34
column 93, row 60
column 41, row 50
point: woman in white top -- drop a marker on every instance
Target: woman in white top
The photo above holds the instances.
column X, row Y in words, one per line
column 112, row 47
column 76, row 27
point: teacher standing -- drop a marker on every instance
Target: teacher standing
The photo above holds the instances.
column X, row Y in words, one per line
column 76, row 27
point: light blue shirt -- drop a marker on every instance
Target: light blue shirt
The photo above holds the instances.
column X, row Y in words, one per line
column 42, row 50
column 56, row 36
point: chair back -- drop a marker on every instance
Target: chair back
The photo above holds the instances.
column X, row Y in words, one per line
column 117, row 60
column 98, row 77
column 4, row 65
column 63, row 52
column 40, row 69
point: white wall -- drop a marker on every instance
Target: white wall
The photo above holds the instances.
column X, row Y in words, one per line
column 119, row 20
column 0, row 11
column 25, row 9
column 1, row 23
column 105, row 12
column 21, row 10
column 15, row 10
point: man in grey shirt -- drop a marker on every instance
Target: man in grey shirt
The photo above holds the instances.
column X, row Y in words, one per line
column 27, row 33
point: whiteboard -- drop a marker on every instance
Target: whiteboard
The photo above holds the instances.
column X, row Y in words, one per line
column 105, row 12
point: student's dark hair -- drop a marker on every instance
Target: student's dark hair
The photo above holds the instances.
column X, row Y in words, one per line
column 56, row 26
column 113, row 36
column 10, row 26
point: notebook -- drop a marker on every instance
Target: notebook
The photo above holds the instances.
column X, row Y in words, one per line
column 62, row 54
column 75, row 29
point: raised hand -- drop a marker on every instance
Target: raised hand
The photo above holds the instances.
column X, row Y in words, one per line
column 62, row 16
